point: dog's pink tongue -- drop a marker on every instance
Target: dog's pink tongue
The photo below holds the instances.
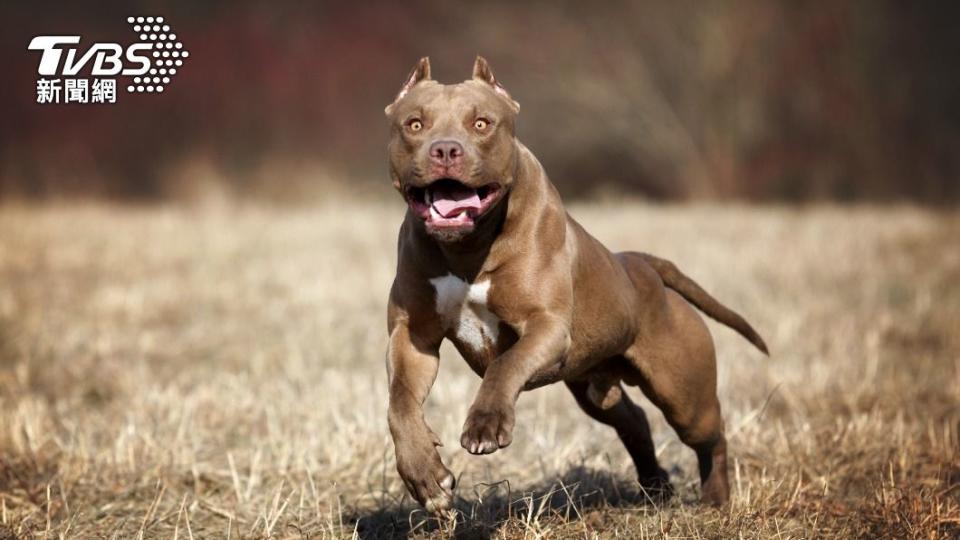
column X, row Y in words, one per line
column 451, row 201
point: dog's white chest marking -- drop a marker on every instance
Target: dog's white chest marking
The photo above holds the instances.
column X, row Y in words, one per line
column 462, row 307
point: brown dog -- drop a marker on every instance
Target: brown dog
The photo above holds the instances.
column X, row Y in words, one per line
column 489, row 259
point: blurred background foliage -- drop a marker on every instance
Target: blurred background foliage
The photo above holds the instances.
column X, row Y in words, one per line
column 749, row 100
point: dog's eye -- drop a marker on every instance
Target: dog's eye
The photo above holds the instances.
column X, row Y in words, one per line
column 415, row 125
column 481, row 124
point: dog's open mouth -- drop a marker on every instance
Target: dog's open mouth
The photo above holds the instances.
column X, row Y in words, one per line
column 449, row 203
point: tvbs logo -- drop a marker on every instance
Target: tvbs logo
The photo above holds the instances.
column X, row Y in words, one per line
column 150, row 64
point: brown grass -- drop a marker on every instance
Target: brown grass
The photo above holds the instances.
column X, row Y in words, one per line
column 173, row 372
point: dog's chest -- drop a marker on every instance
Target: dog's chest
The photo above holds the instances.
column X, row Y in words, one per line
column 463, row 309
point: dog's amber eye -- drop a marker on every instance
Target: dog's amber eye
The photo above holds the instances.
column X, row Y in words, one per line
column 415, row 125
column 481, row 124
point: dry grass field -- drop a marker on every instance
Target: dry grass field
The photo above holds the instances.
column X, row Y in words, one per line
column 171, row 372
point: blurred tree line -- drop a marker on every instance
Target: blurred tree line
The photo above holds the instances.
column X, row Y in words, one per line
column 748, row 99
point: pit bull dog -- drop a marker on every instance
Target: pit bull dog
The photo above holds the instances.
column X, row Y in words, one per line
column 489, row 259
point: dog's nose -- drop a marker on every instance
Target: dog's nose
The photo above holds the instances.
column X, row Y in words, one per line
column 446, row 152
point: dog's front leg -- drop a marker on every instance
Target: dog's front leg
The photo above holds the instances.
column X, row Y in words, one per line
column 489, row 426
column 412, row 370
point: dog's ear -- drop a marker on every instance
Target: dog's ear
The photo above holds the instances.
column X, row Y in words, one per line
column 483, row 72
column 420, row 72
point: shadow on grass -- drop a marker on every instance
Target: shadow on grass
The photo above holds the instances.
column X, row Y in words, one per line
column 482, row 510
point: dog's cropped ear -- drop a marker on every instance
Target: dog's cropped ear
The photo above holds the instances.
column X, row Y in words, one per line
column 420, row 72
column 483, row 72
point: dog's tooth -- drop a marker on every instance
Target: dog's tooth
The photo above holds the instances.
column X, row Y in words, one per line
column 433, row 213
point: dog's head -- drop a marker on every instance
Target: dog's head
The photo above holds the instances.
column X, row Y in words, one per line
column 452, row 151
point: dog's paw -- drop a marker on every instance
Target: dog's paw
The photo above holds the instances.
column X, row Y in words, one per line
column 427, row 480
column 487, row 429
column 656, row 485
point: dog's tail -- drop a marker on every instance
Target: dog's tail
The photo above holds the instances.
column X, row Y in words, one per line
column 676, row 280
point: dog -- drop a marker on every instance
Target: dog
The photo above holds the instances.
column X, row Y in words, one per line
column 489, row 259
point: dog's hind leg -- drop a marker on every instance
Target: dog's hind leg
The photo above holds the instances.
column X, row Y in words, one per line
column 676, row 368
column 632, row 427
column 678, row 373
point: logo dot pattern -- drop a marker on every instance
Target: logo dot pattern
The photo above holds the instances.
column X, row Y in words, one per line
column 167, row 52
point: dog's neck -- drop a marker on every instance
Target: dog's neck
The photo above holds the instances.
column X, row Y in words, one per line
column 465, row 258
